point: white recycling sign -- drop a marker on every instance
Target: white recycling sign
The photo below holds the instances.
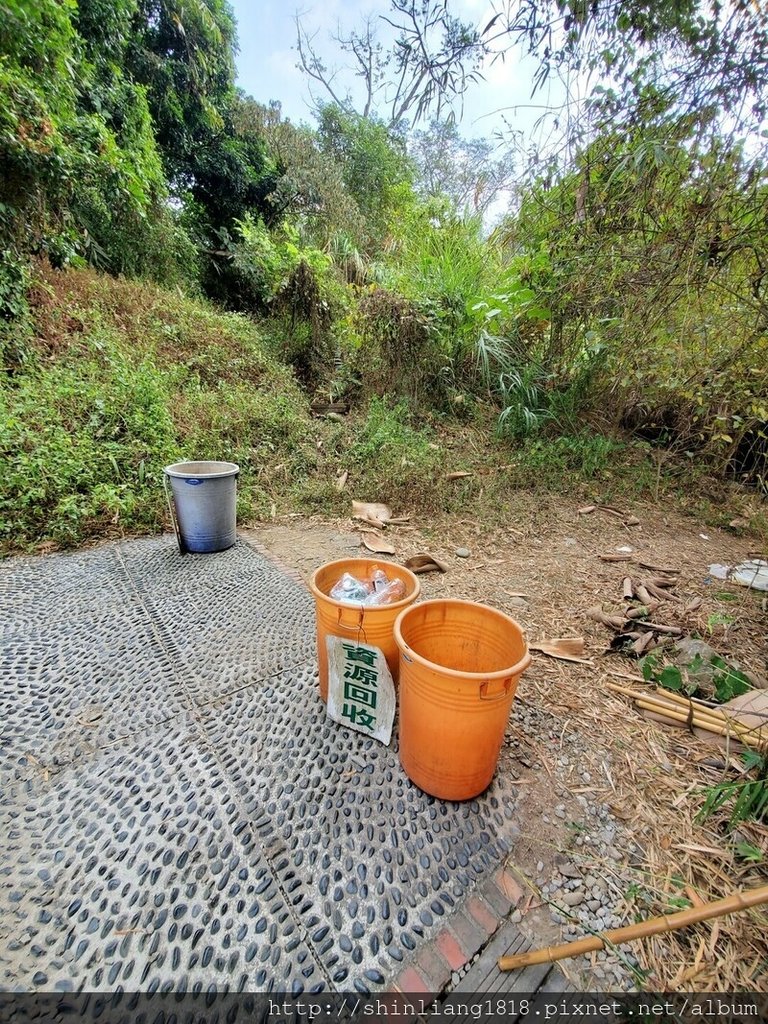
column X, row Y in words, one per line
column 361, row 694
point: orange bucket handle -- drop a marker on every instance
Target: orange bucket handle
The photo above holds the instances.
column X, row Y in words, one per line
column 499, row 694
column 350, row 617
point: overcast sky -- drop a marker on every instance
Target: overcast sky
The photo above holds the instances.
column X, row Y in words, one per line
column 267, row 60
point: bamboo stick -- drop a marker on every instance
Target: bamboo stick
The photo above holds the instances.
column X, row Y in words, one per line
column 691, row 707
column 732, row 904
column 715, row 713
column 707, row 724
column 659, row 627
column 676, row 714
column 661, row 594
column 640, row 610
column 698, row 706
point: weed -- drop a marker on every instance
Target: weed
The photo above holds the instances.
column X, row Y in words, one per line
column 747, row 798
column 393, row 458
column 554, row 462
column 726, row 681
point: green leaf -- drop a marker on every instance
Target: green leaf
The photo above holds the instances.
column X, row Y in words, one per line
column 751, row 759
column 750, row 853
column 730, row 684
column 695, row 664
column 671, row 678
column 648, row 667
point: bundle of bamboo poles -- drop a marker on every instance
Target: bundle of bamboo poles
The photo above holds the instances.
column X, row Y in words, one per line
column 681, row 710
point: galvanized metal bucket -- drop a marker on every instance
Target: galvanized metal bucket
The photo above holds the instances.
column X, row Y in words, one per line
column 204, row 503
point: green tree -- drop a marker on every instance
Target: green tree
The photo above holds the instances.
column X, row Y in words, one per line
column 375, row 167
column 83, row 178
column 309, row 184
column 183, row 52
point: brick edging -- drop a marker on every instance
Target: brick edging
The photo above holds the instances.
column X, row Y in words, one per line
column 466, row 932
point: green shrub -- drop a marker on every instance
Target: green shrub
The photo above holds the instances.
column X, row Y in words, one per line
column 84, row 445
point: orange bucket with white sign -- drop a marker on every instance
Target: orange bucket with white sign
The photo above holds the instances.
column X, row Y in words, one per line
column 460, row 663
column 367, row 624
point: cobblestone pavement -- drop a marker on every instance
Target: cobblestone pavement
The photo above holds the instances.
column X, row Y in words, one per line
column 177, row 811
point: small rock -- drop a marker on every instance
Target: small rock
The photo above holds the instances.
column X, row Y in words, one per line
column 517, row 917
column 462, row 552
column 540, row 866
column 572, row 899
column 594, row 905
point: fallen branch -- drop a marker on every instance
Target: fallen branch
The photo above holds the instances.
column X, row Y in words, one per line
column 612, row 621
column 732, row 904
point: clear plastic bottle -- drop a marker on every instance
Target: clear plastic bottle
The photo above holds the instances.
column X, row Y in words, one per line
column 393, row 591
column 349, row 588
column 379, row 579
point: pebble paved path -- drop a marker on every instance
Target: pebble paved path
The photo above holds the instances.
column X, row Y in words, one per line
column 176, row 809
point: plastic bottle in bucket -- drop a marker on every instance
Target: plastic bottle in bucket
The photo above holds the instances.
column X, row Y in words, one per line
column 356, row 619
column 205, row 502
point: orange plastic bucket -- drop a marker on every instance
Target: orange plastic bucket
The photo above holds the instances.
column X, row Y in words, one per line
column 369, row 625
column 460, row 663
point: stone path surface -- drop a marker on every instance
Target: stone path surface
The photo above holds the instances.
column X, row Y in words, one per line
column 177, row 811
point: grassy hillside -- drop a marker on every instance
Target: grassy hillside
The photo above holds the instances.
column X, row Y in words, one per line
column 109, row 380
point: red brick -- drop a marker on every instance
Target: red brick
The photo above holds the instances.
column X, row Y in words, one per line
column 450, row 950
column 410, row 980
column 469, row 933
column 433, row 968
column 483, row 914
